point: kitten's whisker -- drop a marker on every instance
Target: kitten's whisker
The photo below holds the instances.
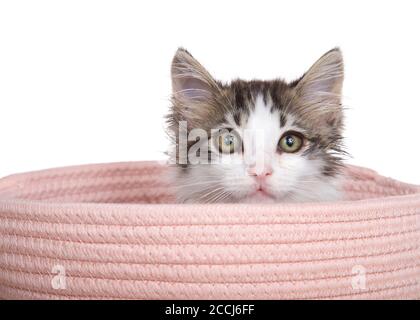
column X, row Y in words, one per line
column 211, row 192
column 219, row 197
column 196, row 184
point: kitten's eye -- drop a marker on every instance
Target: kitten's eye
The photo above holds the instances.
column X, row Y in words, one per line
column 291, row 142
column 228, row 142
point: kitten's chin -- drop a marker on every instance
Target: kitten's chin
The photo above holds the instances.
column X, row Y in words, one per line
column 258, row 197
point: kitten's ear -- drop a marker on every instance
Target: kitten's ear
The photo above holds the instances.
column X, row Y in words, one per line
column 190, row 80
column 319, row 90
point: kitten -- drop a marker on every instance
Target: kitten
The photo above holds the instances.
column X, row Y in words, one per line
column 256, row 141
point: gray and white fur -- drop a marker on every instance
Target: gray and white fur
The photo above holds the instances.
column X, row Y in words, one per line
column 307, row 111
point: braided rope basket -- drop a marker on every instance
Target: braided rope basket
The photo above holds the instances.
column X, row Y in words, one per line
column 112, row 231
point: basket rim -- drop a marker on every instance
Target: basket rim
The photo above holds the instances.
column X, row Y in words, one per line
column 150, row 214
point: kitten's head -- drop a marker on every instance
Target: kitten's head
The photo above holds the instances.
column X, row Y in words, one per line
column 252, row 140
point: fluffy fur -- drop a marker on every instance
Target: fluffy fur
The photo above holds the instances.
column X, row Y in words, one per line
column 310, row 106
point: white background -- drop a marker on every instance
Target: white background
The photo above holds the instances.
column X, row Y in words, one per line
column 88, row 81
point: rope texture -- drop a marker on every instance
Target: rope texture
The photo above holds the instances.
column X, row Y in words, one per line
column 113, row 231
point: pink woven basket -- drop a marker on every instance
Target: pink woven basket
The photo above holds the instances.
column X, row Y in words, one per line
column 112, row 231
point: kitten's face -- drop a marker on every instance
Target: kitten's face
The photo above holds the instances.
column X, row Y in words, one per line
column 265, row 141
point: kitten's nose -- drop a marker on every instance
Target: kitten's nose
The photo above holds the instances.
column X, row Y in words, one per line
column 261, row 173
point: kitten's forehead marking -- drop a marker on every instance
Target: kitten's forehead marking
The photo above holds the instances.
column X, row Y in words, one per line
column 263, row 118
